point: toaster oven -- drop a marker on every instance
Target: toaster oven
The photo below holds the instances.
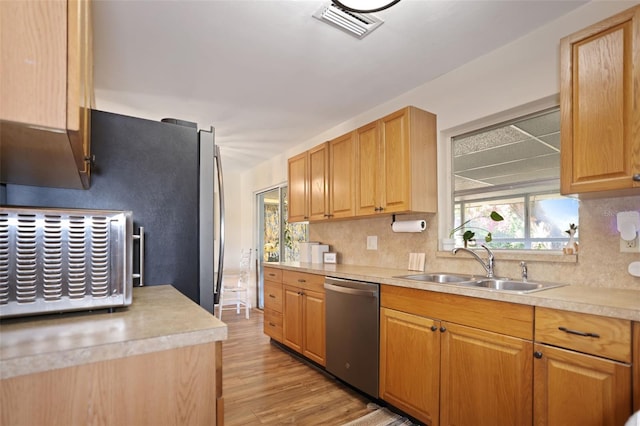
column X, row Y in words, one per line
column 57, row 260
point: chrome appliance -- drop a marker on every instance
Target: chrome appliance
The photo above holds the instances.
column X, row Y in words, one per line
column 56, row 260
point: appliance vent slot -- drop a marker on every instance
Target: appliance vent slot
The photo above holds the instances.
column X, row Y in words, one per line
column 357, row 24
column 26, row 258
column 52, row 258
column 100, row 256
column 77, row 258
column 4, row 258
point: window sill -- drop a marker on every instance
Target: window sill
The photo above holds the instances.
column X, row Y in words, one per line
column 522, row 255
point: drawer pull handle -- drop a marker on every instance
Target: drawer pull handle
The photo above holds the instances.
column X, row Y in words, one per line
column 578, row 333
column 300, row 280
column 272, row 296
column 272, row 324
column 272, row 275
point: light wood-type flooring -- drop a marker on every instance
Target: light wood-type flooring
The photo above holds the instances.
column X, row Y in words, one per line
column 264, row 385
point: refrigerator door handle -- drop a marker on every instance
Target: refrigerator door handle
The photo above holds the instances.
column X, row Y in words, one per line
column 140, row 238
column 221, row 239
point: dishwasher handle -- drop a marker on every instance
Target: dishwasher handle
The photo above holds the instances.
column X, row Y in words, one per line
column 350, row 290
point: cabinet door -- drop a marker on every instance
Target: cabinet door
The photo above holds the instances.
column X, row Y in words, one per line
column 319, row 182
column 292, row 318
column 394, row 136
column 571, row 388
column 298, row 188
column 367, row 170
column 313, row 325
column 410, row 364
column 599, row 89
column 485, row 378
column 342, row 176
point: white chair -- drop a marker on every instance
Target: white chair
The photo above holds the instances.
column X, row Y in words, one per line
column 237, row 293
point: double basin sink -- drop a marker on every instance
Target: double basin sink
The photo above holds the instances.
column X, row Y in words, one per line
column 473, row 281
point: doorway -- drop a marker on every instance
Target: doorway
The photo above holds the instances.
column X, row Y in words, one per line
column 278, row 240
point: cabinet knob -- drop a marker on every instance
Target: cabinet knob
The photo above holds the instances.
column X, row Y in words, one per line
column 537, row 354
column 443, row 329
column 636, row 177
column 434, row 328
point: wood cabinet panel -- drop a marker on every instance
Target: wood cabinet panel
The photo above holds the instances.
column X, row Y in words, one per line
column 636, row 366
column 176, row 386
column 342, row 182
column 367, row 163
column 272, row 325
column 395, row 162
column 410, row 364
column 485, row 378
column 273, row 295
column 574, row 388
column 319, row 182
column 314, row 326
column 292, row 318
column 298, row 197
column 600, row 116
column 610, row 337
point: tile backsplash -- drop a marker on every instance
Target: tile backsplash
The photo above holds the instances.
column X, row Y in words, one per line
column 599, row 262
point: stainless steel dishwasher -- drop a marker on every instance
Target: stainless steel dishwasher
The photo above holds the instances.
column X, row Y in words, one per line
column 352, row 323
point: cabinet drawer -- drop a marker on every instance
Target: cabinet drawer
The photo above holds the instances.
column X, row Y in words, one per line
column 273, row 296
column 304, row 280
column 273, row 274
column 591, row 334
column 273, row 324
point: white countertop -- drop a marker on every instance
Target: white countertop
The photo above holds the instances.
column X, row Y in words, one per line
column 616, row 303
column 160, row 318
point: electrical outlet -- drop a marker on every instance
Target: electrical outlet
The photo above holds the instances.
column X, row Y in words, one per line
column 372, row 242
column 631, row 246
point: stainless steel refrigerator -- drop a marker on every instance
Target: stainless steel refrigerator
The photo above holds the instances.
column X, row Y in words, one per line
column 169, row 175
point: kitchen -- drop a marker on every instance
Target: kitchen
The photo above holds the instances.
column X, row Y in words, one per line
column 530, row 78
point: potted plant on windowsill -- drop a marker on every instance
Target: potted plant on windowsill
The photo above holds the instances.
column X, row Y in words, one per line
column 469, row 234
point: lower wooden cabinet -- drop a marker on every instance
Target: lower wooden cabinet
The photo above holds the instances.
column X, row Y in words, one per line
column 410, row 364
column 485, row 378
column 303, row 321
column 585, row 377
column 444, row 373
column 571, row 388
column 272, row 324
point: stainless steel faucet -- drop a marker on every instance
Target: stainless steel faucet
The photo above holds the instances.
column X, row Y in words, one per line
column 525, row 274
column 488, row 266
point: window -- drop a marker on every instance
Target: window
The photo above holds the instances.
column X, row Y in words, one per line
column 513, row 168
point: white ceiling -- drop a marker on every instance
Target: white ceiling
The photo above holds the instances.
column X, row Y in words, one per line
column 268, row 76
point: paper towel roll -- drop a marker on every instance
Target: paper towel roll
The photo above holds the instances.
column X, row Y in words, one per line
column 409, row 226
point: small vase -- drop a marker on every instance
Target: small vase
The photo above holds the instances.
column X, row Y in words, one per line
column 571, row 247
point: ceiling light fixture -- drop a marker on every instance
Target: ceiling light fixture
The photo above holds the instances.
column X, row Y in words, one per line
column 365, row 6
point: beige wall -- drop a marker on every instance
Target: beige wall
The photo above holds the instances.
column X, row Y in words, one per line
column 523, row 72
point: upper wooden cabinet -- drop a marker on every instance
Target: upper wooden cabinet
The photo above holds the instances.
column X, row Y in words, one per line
column 322, row 181
column 319, row 182
column 298, row 188
column 600, row 113
column 396, row 159
column 47, row 91
column 387, row 166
